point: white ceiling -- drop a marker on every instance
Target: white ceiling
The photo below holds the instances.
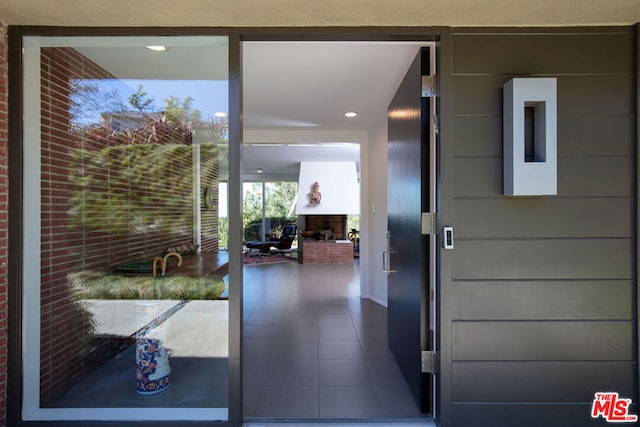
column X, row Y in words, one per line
column 310, row 85
column 298, row 92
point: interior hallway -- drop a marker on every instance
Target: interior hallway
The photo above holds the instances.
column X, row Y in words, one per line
column 314, row 349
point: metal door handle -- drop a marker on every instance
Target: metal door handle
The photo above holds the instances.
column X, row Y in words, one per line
column 385, row 262
column 386, row 256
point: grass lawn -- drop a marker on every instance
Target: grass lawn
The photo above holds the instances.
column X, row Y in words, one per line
column 96, row 285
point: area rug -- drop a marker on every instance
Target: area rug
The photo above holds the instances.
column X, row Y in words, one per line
column 255, row 259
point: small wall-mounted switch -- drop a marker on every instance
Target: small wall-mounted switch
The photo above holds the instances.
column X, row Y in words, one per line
column 447, row 237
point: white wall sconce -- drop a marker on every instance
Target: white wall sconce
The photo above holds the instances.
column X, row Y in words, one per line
column 529, row 120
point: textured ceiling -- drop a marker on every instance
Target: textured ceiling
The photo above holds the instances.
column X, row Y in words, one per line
column 294, row 13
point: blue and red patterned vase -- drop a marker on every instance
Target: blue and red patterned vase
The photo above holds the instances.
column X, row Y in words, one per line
column 152, row 366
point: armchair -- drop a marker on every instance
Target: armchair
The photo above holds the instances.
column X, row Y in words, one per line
column 280, row 244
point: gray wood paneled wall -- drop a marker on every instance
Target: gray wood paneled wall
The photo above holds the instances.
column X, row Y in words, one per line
column 538, row 296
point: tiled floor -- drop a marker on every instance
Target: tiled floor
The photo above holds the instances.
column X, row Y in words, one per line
column 314, row 349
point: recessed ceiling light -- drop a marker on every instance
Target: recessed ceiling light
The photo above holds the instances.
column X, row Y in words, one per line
column 220, row 114
column 259, row 170
column 350, row 114
column 157, row 48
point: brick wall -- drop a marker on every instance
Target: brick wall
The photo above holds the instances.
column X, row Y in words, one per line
column 327, row 252
column 3, row 220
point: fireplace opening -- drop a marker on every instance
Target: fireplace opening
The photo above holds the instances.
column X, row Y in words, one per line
column 335, row 224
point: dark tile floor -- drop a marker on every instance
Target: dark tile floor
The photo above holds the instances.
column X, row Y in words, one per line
column 314, row 349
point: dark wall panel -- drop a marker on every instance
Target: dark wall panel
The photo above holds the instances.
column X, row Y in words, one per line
column 545, row 53
column 572, row 217
column 545, row 340
column 477, row 136
column 609, row 95
column 539, row 291
column 609, row 135
column 524, row 415
column 539, row 381
column 543, row 300
column 481, row 136
column 482, row 95
column 481, row 177
column 605, row 95
column 596, row 176
column 543, row 259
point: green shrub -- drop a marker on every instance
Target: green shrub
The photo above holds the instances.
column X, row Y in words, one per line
column 96, row 285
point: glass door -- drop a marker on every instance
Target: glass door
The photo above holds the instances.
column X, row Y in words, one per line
column 125, row 309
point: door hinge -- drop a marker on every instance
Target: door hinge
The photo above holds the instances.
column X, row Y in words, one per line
column 428, row 86
column 428, row 223
column 430, row 362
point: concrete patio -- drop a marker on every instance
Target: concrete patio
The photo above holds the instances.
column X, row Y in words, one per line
column 196, row 336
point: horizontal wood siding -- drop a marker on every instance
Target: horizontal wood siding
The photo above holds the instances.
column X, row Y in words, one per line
column 541, row 300
column 541, row 382
column 523, row 415
column 522, row 300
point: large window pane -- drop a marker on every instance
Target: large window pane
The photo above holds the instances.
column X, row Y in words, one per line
column 125, row 278
column 280, row 206
column 252, row 211
column 267, row 208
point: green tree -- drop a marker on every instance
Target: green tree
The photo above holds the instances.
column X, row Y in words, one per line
column 279, row 200
column 223, row 232
column 252, row 210
column 140, row 101
column 181, row 110
column 125, row 200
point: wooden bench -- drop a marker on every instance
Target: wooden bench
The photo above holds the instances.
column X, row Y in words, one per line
column 201, row 264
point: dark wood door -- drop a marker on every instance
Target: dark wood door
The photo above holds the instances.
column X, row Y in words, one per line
column 408, row 250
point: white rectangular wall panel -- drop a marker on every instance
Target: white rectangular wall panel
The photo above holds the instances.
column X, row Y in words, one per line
column 339, row 188
column 530, row 162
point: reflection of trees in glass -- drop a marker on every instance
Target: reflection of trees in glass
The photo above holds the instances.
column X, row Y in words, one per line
column 140, row 101
column 132, row 173
column 213, row 130
column 223, row 232
column 134, row 189
column 89, row 98
column 112, row 195
column 182, row 110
